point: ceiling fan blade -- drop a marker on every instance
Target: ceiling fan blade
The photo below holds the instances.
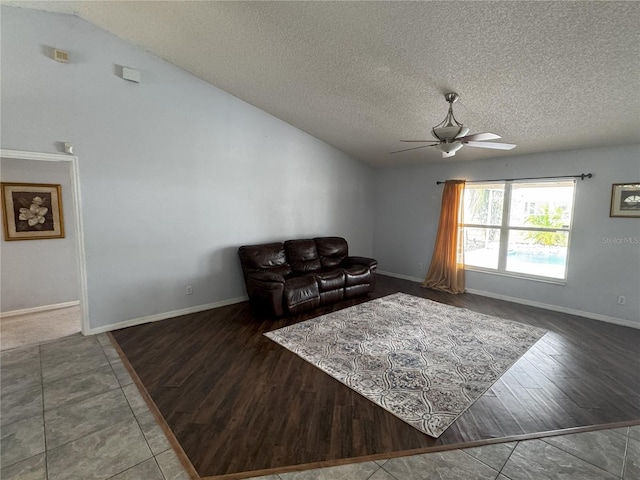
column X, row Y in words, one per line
column 497, row 146
column 414, row 148
column 448, row 154
column 480, row 136
column 420, row 141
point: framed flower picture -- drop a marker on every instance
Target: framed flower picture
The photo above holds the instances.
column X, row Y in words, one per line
column 32, row 211
column 625, row 200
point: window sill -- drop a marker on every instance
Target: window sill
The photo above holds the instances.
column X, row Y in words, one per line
column 521, row 276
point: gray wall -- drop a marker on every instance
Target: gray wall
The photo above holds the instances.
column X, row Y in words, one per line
column 175, row 174
column 604, row 257
column 38, row 273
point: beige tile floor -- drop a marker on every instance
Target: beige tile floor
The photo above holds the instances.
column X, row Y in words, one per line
column 70, row 410
column 21, row 330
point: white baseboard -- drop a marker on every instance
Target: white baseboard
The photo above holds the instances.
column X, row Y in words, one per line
column 403, row 277
column 44, row 308
column 556, row 308
column 166, row 315
column 531, row 303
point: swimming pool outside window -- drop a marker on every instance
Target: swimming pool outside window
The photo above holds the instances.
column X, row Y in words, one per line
column 519, row 228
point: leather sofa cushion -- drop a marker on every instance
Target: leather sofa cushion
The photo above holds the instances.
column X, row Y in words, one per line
column 330, row 280
column 268, row 257
column 357, row 275
column 302, row 255
column 299, row 290
column 332, row 250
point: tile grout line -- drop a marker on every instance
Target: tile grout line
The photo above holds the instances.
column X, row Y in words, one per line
column 134, row 466
column 507, row 460
column 155, row 459
column 44, row 422
column 583, row 460
column 120, row 386
column 464, row 450
column 387, row 472
column 370, row 476
column 153, row 455
column 626, row 452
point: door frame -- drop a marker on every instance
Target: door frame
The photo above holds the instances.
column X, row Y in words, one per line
column 77, row 207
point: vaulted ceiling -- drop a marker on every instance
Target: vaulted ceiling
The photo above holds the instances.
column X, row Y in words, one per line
column 361, row 75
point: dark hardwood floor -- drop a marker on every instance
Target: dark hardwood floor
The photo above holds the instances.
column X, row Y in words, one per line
column 238, row 402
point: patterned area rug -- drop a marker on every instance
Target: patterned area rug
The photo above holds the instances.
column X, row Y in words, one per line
column 423, row 361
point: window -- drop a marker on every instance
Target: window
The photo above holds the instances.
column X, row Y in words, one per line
column 519, row 228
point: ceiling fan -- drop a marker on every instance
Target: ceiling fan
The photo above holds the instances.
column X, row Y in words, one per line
column 452, row 135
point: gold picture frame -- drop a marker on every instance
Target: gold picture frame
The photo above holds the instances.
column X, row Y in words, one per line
column 625, row 200
column 32, row 211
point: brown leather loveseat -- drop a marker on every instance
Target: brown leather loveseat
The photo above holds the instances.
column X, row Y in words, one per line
column 298, row 275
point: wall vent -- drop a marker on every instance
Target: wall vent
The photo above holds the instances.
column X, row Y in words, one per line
column 60, row 56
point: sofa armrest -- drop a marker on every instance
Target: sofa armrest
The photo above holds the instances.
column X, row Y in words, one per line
column 369, row 262
column 265, row 278
column 265, row 291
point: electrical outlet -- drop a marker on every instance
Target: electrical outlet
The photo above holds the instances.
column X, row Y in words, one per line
column 622, row 300
column 189, row 289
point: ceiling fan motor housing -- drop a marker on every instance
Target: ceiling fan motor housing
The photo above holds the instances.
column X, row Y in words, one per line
column 449, row 129
column 449, row 133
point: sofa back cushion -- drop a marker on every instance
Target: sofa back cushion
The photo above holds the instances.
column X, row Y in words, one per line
column 331, row 250
column 269, row 257
column 302, row 255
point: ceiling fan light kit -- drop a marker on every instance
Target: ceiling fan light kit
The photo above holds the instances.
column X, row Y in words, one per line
column 449, row 147
column 452, row 135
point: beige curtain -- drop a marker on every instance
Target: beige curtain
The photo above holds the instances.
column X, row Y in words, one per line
column 446, row 271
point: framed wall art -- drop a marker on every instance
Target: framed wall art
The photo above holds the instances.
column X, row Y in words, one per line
column 32, row 211
column 625, row 200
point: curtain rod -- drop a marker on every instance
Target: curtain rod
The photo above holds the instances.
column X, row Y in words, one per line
column 581, row 176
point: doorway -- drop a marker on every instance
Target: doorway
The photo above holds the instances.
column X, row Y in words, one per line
column 44, row 294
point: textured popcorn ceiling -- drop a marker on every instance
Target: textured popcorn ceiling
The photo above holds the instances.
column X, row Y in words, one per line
column 546, row 76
